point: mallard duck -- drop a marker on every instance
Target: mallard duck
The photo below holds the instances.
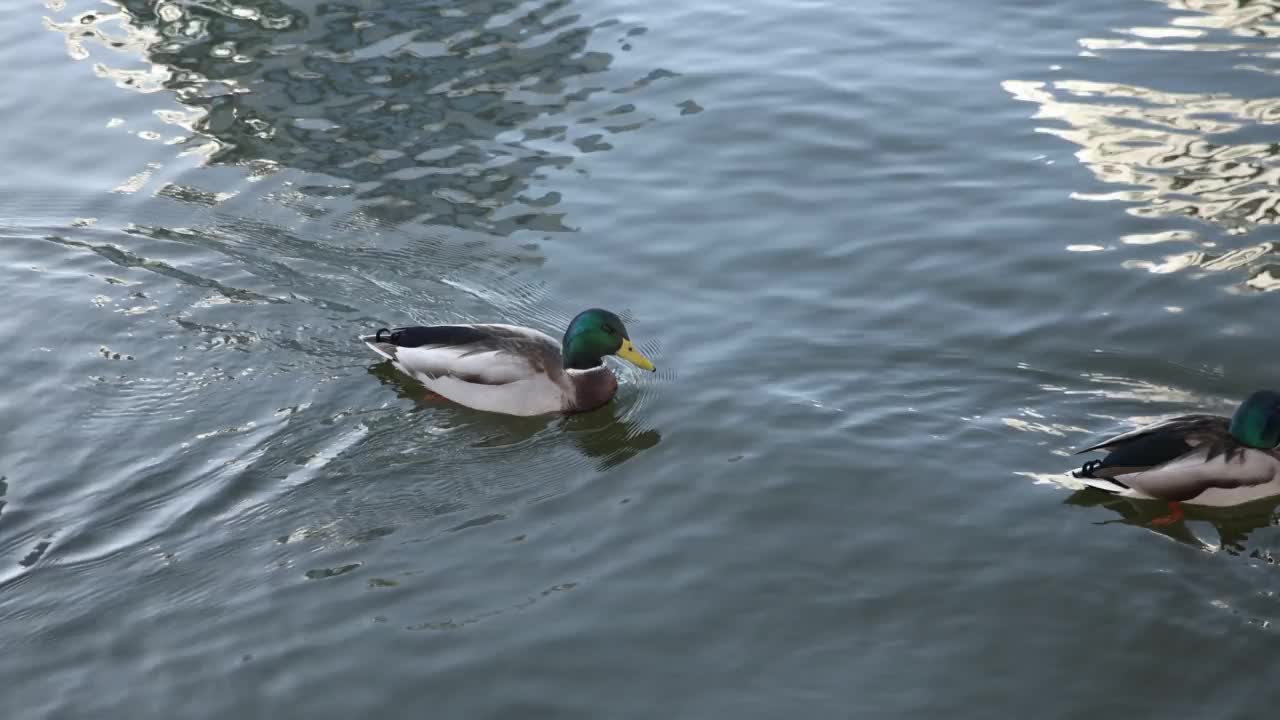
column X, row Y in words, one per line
column 1195, row 459
column 511, row 369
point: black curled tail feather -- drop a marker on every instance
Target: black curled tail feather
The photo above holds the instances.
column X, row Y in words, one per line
column 1086, row 470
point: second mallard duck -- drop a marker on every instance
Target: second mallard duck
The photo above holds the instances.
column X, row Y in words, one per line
column 1195, row 459
column 514, row 370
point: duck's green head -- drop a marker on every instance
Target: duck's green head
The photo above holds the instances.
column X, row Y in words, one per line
column 1256, row 422
column 595, row 333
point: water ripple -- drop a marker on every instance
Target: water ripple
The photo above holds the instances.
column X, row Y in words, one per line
column 448, row 116
column 1195, row 149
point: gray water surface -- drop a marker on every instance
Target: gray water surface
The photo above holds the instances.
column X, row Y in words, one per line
column 895, row 262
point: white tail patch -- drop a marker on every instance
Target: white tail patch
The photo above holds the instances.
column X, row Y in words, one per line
column 368, row 340
column 1109, row 486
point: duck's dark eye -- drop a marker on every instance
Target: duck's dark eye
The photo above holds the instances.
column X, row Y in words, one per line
column 609, row 329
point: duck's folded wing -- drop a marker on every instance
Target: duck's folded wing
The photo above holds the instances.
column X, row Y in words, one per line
column 485, row 368
column 484, row 354
column 1195, row 427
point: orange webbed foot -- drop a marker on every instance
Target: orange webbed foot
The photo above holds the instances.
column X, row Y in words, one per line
column 1175, row 515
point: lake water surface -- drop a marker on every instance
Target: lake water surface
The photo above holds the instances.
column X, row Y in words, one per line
column 895, row 262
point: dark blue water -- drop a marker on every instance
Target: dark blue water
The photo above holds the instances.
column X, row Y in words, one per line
column 895, row 262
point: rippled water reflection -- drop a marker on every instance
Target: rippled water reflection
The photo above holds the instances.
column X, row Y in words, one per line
column 441, row 113
column 1195, row 147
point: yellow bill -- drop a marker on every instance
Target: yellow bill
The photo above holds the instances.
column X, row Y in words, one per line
column 629, row 353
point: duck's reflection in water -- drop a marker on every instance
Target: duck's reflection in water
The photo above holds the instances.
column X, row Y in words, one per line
column 1233, row 525
column 608, row 436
